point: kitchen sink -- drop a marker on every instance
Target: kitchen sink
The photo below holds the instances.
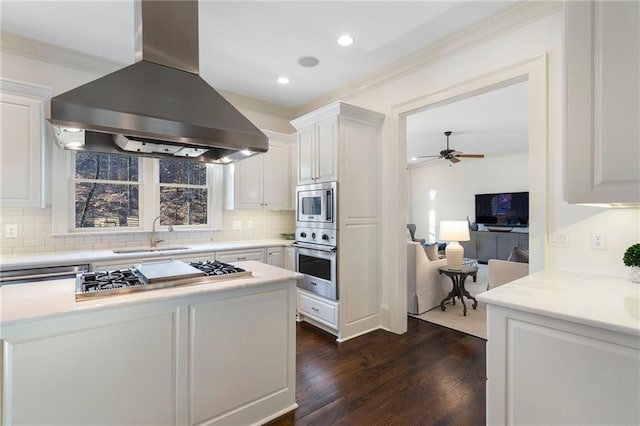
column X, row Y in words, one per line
column 148, row 250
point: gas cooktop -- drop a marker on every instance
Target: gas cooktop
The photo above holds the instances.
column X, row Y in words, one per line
column 142, row 277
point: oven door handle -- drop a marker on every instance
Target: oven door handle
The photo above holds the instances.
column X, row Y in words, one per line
column 328, row 249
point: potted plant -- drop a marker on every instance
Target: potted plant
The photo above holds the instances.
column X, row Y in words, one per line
column 632, row 258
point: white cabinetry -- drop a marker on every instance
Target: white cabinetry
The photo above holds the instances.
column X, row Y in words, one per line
column 602, row 101
column 275, row 256
column 546, row 371
column 318, row 151
column 341, row 142
column 290, row 258
column 264, row 180
column 185, row 360
column 318, row 308
column 231, row 256
column 22, row 144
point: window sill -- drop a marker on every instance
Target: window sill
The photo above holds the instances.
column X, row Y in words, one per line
column 120, row 231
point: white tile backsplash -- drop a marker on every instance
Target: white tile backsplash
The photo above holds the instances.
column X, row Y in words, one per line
column 34, row 232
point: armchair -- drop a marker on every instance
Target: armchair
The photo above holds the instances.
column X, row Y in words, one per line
column 504, row 271
column 425, row 286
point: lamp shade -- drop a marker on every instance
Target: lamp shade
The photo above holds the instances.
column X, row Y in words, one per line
column 454, row 230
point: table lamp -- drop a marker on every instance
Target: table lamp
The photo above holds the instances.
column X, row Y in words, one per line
column 454, row 231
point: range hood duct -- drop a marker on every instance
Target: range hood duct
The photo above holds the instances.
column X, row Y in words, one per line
column 159, row 106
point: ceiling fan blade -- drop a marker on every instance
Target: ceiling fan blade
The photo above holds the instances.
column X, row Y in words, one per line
column 470, row 155
column 429, row 156
column 453, row 159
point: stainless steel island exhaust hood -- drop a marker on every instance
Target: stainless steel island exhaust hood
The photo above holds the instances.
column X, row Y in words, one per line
column 159, row 106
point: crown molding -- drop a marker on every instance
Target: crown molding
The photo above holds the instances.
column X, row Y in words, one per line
column 516, row 16
column 342, row 109
column 57, row 55
column 246, row 102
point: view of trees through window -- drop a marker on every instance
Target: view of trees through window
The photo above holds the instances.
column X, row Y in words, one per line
column 183, row 192
column 107, row 190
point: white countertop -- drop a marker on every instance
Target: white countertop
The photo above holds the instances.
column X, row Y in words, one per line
column 50, row 299
column 81, row 257
column 611, row 303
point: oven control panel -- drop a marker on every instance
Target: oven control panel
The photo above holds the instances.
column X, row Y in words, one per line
column 328, row 237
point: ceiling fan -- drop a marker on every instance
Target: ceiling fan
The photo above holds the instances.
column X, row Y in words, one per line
column 451, row 154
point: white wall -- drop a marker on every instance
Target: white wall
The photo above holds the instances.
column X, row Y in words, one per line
column 442, row 192
column 543, row 36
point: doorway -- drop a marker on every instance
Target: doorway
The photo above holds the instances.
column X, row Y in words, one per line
column 534, row 72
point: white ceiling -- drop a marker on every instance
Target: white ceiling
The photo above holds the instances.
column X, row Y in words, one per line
column 245, row 46
column 490, row 123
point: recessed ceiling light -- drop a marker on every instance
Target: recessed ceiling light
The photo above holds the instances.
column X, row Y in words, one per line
column 283, row 80
column 414, row 158
column 346, row 40
column 308, row 61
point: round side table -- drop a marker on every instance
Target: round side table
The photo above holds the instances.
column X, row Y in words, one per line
column 458, row 277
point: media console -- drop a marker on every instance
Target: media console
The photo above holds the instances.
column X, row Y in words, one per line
column 485, row 245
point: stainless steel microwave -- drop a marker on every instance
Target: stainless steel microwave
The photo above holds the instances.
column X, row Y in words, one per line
column 317, row 205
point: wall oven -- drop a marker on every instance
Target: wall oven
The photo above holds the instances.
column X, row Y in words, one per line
column 316, row 205
column 318, row 264
column 316, row 258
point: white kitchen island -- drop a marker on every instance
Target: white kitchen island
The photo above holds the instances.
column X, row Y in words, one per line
column 215, row 353
column 563, row 348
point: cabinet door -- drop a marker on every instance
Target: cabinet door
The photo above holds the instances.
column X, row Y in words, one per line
column 21, row 151
column 486, row 246
column 602, row 101
column 249, row 182
column 276, row 178
column 306, row 155
column 275, row 256
column 290, row 258
column 327, row 150
column 470, row 247
column 90, row 368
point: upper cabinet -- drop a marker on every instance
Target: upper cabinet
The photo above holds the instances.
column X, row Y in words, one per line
column 22, row 144
column 602, row 101
column 318, row 151
column 264, row 182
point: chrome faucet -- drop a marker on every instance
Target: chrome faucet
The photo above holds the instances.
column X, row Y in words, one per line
column 154, row 239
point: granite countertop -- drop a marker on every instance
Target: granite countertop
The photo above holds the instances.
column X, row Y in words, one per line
column 53, row 299
column 80, row 257
column 611, row 303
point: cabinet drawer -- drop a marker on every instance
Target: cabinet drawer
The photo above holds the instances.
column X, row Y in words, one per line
column 319, row 310
column 240, row 255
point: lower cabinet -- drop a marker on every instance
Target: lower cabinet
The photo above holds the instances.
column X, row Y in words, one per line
column 275, row 256
column 189, row 360
column 290, row 258
column 318, row 309
column 485, row 245
column 547, row 371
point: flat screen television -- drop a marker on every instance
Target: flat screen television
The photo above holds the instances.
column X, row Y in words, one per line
column 503, row 209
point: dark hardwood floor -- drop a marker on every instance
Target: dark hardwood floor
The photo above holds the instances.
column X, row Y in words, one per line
column 430, row 375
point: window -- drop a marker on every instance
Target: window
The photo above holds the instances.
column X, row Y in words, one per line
column 184, row 193
column 106, row 190
column 115, row 192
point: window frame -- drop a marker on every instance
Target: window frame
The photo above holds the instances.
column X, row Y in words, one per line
column 63, row 198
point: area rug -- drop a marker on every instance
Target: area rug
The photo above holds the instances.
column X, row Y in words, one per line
column 475, row 323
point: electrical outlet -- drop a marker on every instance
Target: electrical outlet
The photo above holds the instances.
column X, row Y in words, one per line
column 236, row 225
column 598, row 241
column 249, row 224
column 11, row 231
